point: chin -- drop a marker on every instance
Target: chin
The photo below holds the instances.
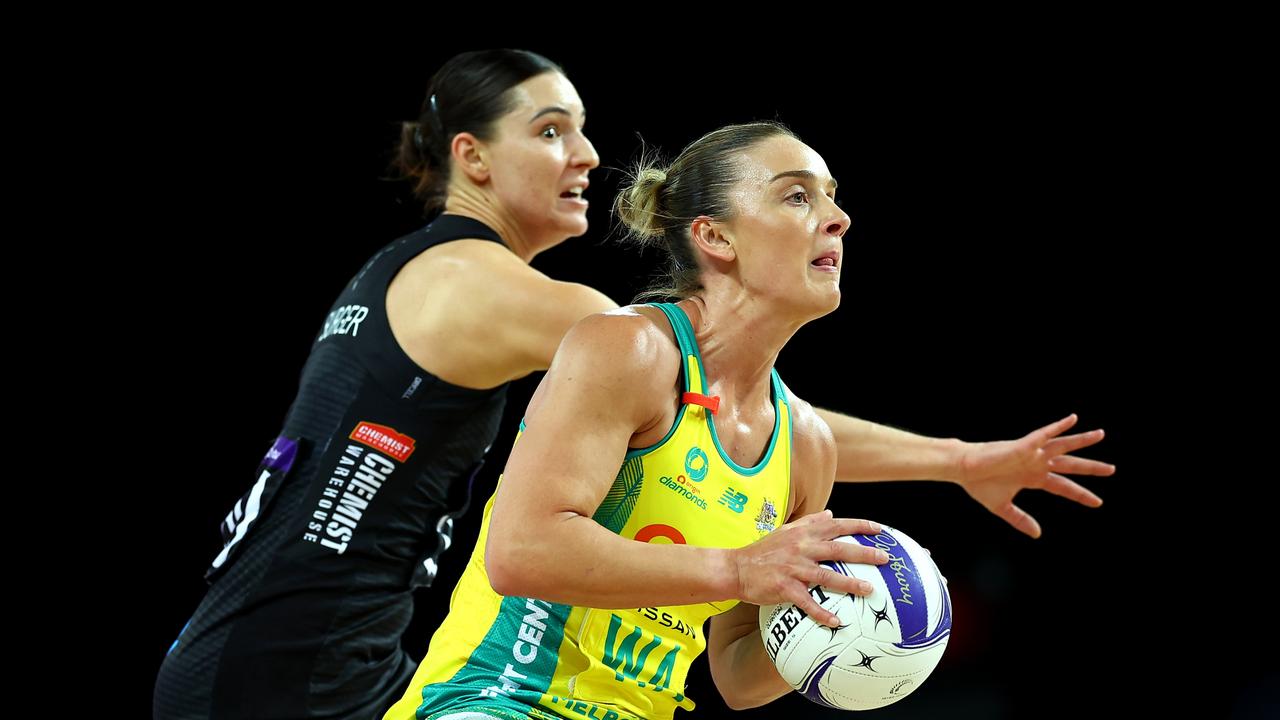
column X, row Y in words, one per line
column 829, row 301
column 578, row 229
column 812, row 306
column 835, row 302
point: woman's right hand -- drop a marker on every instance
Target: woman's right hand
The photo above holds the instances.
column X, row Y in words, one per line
column 783, row 565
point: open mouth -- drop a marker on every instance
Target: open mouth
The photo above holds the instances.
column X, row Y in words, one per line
column 574, row 193
column 828, row 260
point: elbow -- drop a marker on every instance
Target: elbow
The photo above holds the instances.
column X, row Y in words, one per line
column 524, row 559
column 742, row 692
column 515, row 567
column 502, row 568
column 740, row 701
column 737, row 695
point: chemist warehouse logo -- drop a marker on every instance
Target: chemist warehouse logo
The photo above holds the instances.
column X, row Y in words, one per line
column 384, row 439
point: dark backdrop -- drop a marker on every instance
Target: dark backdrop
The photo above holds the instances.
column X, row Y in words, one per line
column 1002, row 271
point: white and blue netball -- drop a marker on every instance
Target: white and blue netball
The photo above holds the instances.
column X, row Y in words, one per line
column 888, row 641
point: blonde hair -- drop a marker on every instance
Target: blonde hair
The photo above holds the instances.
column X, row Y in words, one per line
column 658, row 203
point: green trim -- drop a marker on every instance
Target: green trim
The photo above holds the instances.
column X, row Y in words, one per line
column 667, row 309
column 497, row 713
column 681, row 321
column 684, row 338
column 791, row 437
column 773, row 439
column 488, row 660
column 636, row 452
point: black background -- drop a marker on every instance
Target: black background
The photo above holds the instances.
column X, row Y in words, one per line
column 1007, row 265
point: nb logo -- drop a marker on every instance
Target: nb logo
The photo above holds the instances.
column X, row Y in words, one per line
column 733, row 500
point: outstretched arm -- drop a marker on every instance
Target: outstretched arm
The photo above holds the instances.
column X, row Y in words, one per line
column 991, row 472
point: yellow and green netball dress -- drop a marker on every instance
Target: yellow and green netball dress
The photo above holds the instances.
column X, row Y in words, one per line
column 517, row 657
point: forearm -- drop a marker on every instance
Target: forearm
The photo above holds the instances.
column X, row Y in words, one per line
column 572, row 559
column 743, row 672
column 869, row 452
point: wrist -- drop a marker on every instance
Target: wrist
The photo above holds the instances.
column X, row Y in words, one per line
column 954, row 452
column 727, row 582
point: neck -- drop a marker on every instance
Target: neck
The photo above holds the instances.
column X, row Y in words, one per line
column 739, row 338
column 475, row 204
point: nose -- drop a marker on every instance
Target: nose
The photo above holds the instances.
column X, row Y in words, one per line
column 584, row 154
column 837, row 221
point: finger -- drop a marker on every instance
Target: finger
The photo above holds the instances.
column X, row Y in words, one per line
column 1062, row 487
column 1053, row 429
column 828, row 577
column 853, row 553
column 1019, row 519
column 1080, row 466
column 819, row 518
column 1071, row 443
column 850, row 526
column 799, row 597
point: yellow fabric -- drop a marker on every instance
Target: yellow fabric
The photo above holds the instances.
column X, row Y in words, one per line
column 611, row 664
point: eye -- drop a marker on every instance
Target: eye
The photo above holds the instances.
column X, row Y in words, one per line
column 551, row 132
column 799, row 193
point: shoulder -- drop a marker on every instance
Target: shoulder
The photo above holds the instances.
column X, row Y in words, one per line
column 626, row 342
column 623, row 364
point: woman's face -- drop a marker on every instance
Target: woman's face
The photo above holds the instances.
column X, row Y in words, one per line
column 539, row 159
column 787, row 231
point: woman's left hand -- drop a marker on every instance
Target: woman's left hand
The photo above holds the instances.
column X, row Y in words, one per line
column 993, row 472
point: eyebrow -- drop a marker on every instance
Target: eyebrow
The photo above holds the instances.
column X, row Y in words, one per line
column 801, row 174
column 555, row 109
